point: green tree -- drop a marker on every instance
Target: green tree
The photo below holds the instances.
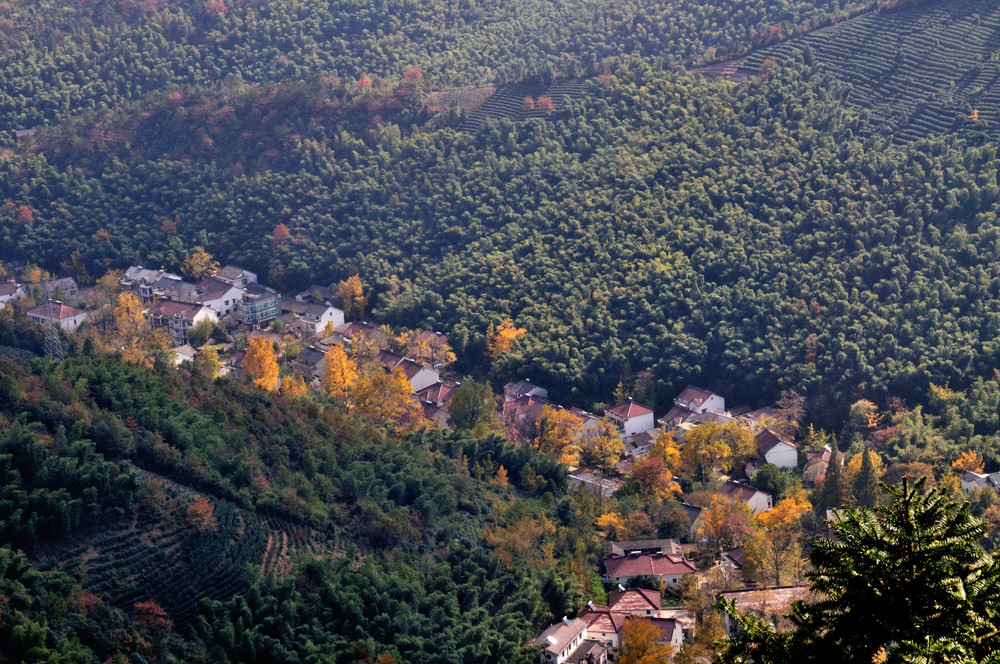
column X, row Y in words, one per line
column 865, row 489
column 833, row 493
column 473, row 407
column 908, row 582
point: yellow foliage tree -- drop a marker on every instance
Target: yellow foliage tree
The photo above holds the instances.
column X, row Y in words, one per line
column 640, row 643
column 501, row 339
column 611, row 524
column 199, row 264
column 385, row 397
column 853, row 467
column 968, row 461
column 778, row 548
column 725, row 524
column 293, row 387
column 500, row 479
column 132, row 327
column 601, row 447
column 666, row 448
column 260, row 364
column 206, row 362
column 557, row 434
column 339, row 373
column 704, row 449
column 354, row 298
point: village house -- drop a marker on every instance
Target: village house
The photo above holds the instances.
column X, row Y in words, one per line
column 669, row 569
column 312, row 316
column 593, row 483
column 774, row 604
column 64, row 288
column 971, row 480
column 777, row 450
column 523, row 388
column 435, row 400
column 57, row 313
column 218, row 295
column 24, row 135
column 178, row 318
column 757, row 500
column 569, row 641
column 140, row 280
column 670, row 546
column 635, row 602
column 691, row 403
column 258, row 307
column 185, row 353
column 10, row 291
column 641, row 443
column 695, row 516
column 236, row 276
column 174, row 288
column 319, row 294
column 631, row 418
column 590, row 421
column 234, row 365
column 356, row 333
column 520, row 416
column 418, row 375
column 816, row 462
column 309, row 364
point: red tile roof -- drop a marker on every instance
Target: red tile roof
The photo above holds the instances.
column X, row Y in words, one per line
column 644, row 564
column 629, row 409
column 695, row 395
column 440, row 392
column 55, row 310
column 601, row 620
column 636, row 599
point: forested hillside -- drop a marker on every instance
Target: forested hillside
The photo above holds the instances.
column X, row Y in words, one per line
column 741, row 234
column 60, row 59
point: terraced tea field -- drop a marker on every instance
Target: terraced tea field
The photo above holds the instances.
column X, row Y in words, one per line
column 917, row 71
column 176, row 565
column 510, row 101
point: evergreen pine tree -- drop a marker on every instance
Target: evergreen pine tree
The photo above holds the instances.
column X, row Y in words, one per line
column 865, row 488
column 834, row 492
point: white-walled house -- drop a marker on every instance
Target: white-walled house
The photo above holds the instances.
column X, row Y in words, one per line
column 178, row 318
column 66, row 317
column 219, row 296
column 698, row 400
column 314, row 316
column 631, row 418
column 10, row 291
column 775, row 449
column 757, row 500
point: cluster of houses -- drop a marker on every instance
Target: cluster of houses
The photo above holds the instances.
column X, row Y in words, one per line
column 595, row 635
column 232, row 296
column 639, row 430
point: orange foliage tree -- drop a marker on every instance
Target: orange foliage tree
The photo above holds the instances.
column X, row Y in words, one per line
column 260, row 364
column 501, row 339
column 201, row 515
column 152, row 615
